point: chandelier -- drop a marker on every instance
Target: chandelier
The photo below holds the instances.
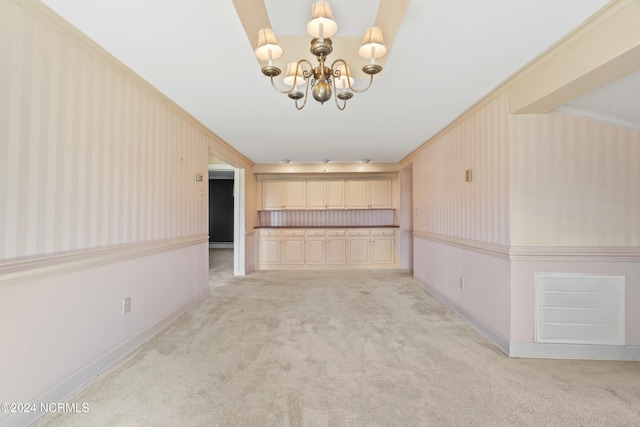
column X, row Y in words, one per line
column 324, row 80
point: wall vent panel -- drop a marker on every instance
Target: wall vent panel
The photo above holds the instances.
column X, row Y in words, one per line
column 580, row 308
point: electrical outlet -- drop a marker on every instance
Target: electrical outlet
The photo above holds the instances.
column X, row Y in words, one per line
column 126, row 305
column 461, row 283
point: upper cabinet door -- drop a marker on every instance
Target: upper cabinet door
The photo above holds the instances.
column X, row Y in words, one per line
column 380, row 193
column 273, row 194
column 294, row 194
column 357, row 193
column 316, row 194
column 335, row 193
column 327, row 193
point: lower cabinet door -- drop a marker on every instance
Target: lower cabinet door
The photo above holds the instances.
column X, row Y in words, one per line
column 293, row 251
column 336, row 253
column 359, row 250
column 315, row 250
column 383, row 249
column 269, row 251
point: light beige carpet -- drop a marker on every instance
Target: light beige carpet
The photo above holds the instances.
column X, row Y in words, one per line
column 349, row 348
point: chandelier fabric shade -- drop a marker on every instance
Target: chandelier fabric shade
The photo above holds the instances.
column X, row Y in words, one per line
column 372, row 44
column 322, row 18
column 268, row 47
column 343, row 82
column 290, row 75
column 325, row 81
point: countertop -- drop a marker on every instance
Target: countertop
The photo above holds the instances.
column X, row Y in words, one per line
column 327, row 226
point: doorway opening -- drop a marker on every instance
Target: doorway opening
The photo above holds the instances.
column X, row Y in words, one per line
column 224, row 232
column 221, row 209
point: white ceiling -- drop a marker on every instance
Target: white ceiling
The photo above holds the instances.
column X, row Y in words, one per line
column 447, row 55
column 617, row 103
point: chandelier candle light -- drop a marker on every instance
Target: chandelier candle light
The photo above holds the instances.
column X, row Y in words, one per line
column 321, row 78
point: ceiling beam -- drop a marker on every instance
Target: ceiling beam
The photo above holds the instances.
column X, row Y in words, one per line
column 604, row 49
column 254, row 16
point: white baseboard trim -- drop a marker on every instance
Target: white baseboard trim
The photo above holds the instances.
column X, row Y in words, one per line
column 69, row 386
column 498, row 340
column 574, row 351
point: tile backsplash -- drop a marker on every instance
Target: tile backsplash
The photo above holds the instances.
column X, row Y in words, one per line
column 327, row 218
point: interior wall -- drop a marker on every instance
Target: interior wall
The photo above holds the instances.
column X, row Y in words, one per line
column 576, row 204
column 562, row 195
column 461, row 228
column 576, row 182
column 61, row 331
column 444, row 202
column 475, row 284
column 94, row 157
column 99, row 201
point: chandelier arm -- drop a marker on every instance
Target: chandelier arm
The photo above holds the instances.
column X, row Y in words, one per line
column 306, row 93
column 277, row 89
column 337, row 74
column 306, row 74
column 344, row 102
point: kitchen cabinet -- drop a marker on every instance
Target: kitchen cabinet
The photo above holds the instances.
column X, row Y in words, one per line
column 358, row 243
column 292, row 243
column 325, row 193
column 269, row 247
column 369, row 193
column 316, row 192
column 380, row 193
column 383, row 246
column 358, row 193
column 335, row 193
column 294, row 193
column 273, row 194
column 315, row 243
column 278, row 194
column 348, row 248
column 336, row 247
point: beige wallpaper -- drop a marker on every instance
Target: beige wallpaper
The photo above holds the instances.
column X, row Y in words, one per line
column 328, row 218
column 444, row 202
column 538, row 180
column 576, row 182
column 90, row 154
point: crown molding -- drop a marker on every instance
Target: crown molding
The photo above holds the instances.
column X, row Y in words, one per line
column 326, row 168
column 603, row 49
